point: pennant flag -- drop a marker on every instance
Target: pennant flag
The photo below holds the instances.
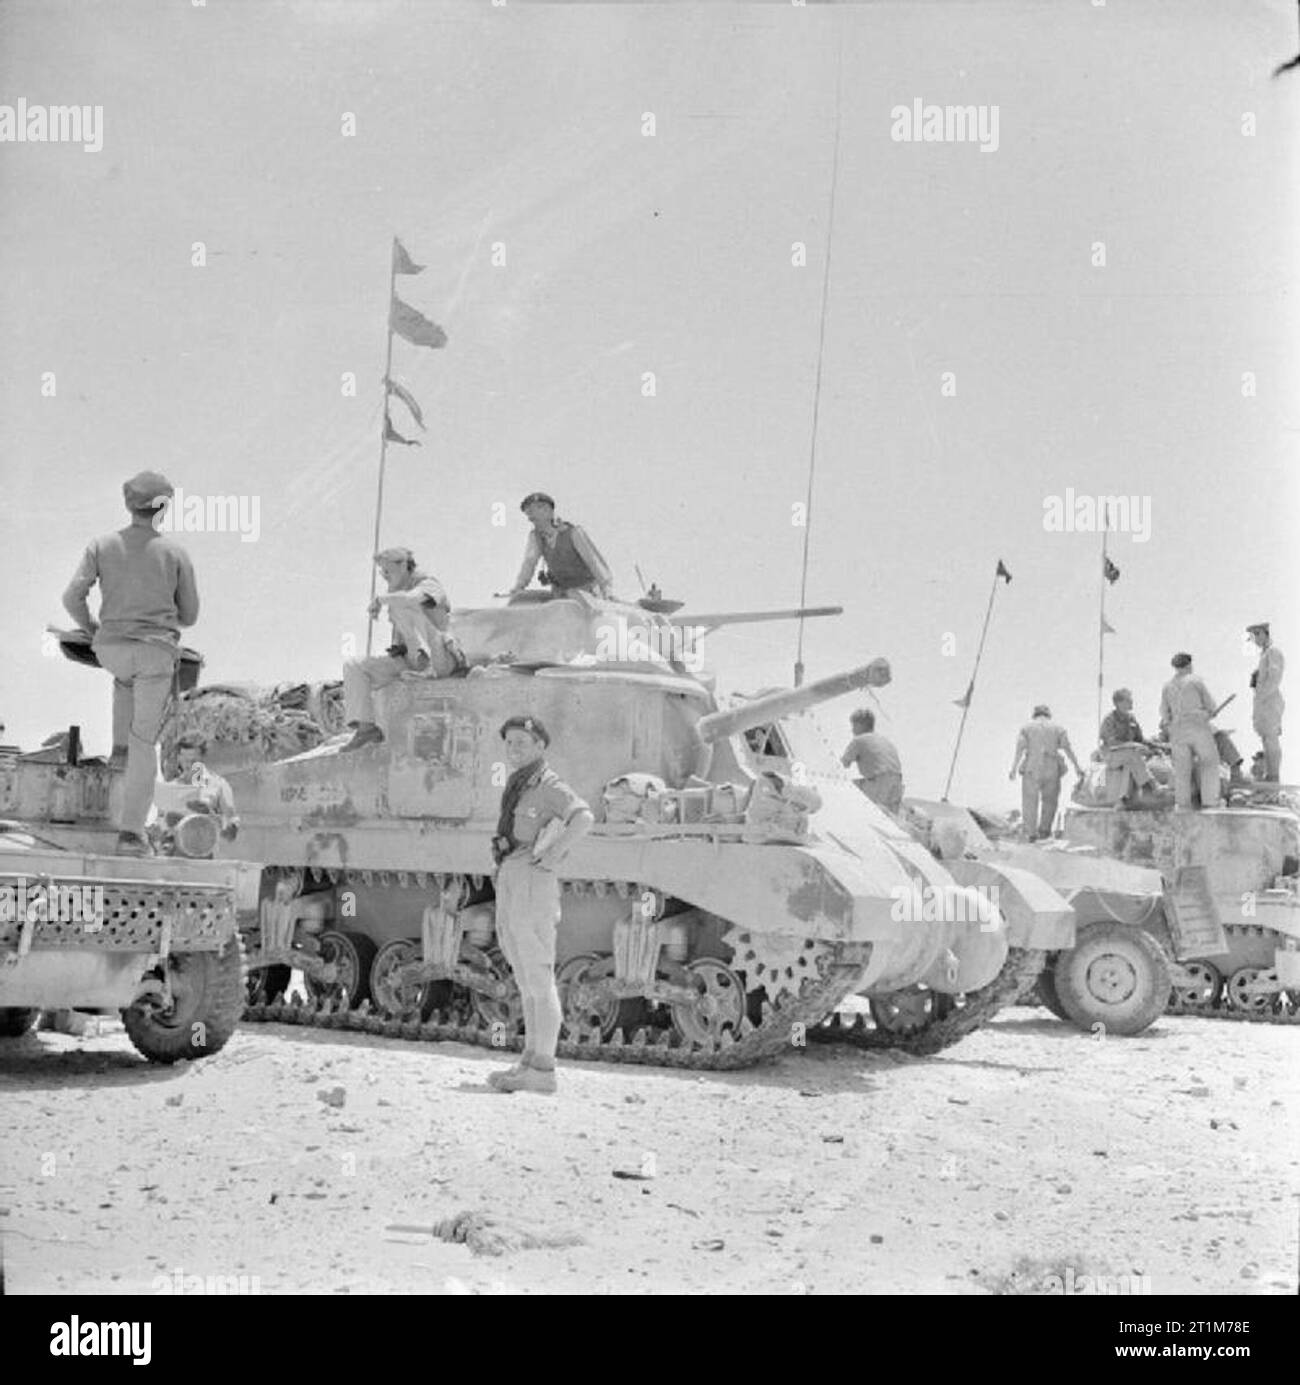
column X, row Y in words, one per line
column 414, row 326
column 408, row 399
column 402, row 262
column 964, row 702
column 1110, row 571
column 1106, row 627
column 1002, row 571
column 392, row 435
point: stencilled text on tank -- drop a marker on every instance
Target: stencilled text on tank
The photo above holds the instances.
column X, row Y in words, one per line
column 314, row 796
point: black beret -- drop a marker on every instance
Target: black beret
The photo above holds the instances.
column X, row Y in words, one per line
column 529, row 724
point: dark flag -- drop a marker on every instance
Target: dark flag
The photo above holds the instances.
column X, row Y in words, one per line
column 1110, row 571
column 964, row 702
column 1002, row 570
column 414, row 326
column 392, row 435
column 408, row 399
column 402, row 262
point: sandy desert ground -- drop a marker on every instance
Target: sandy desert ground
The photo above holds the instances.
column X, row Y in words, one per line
column 320, row 1162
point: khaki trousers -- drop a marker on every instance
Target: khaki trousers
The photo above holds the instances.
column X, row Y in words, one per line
column 142, row 681
column 1188, row 744
column 1035, row 821
column 527, row 915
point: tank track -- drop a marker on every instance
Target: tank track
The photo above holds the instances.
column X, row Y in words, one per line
column 786, row 1024
column 1019, row 971
column 1222, row 1009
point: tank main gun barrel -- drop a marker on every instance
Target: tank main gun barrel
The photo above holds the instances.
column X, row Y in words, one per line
column 714, row 725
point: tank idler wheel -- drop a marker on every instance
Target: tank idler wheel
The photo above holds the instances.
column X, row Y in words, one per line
column 14, row 1023
column 1242, row 993
column 393, row 999
column 1199, row 987
column 719, row 1007
column 909, row 1010
column 1114, row 975
column 352, row 954
column 267, row 984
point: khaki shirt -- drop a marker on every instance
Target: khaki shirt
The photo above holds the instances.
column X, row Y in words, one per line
column 146, row 585
column 548, row 799
column 1185, row 702
column 1041, row 740
column 872, row 754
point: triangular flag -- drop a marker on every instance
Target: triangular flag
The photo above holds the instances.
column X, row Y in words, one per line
column 1109, row 571
column 392, row 435
column 414, row 326
column 1002, row 570
column 964, row 702
column 408, row 399
column 1106, row 627
column 402, row 262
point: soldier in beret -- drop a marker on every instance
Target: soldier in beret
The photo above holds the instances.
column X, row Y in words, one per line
column 541, row 818
column 1185, row 711
column 147, row 594
column 573, row 562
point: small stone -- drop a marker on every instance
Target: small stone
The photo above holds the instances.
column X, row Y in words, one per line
column 1250, row 1271
column 333, row 1096
column 1064, row 1188
column 877, row 1240
column 633, row 1099
column 175, row 1100
column 997, row 1216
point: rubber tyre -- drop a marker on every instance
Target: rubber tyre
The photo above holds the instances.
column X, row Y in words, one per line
column 15, row 1023
column 1044, row 994
column 1126, row 953
column 215, row 981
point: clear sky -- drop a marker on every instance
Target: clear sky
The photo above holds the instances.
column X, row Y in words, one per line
column 521, row 126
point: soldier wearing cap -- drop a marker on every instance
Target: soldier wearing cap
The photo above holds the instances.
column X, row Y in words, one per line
column 541, row 817
column 1185, row 711
column 419, row 611
column 1040, row 747
column 1269, row 705
column 211, row 793
column 573, row 562
column 147, row 594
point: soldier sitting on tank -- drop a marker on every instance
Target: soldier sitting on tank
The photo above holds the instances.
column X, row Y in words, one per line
column 1124, row 752
column 877, row 762
column 419, row 610
column 573, row 562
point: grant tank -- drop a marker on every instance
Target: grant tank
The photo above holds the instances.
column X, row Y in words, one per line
column 709, row 923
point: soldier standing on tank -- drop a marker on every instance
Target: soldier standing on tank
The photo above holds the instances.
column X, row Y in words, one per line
column 1039, row 748
column 1185, row 711
column 573, row 562
column 541, row 817
column 147, row 593
column 1269, row 706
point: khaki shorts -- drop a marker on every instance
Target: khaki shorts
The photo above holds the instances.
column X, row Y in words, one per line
column 527, row 914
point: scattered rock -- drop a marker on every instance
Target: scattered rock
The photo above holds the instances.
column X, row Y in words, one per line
column 1193, row 1091
column 997, row 1216
column 1220, row 1123
column 1064, row 1188
column 877, row 1240
column 1250, row 1271
column 633, row 1099
column 641, row 1175
column 175, row 1100
column 832, row 1139
column 715, row 1243
column 333, row 1096
column 958, row 1101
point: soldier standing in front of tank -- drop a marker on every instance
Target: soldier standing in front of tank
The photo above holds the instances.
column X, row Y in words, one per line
column 1039, row 748
column 573, row 562
column 147, row 593
column 1269, row 706
column 541, row 817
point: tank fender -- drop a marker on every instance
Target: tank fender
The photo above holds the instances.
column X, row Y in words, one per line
column 1037, row 916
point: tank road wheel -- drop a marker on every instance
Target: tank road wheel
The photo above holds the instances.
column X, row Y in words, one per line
column 1199, row 986
column 719, row 1006
column 582, row 1009
column 392, row 999
column 1242, row 994
column 508, row 1011
column 266, row 984
column 906, row 1011
column 15, row 1023
column 1114, row 975
column 207, row 1000
column 352, row 954
column 1044, row 993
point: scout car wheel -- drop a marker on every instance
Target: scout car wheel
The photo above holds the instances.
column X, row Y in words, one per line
column 15, row 1023
column 1115, row 976
column 207, row 999
column 352, row 954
